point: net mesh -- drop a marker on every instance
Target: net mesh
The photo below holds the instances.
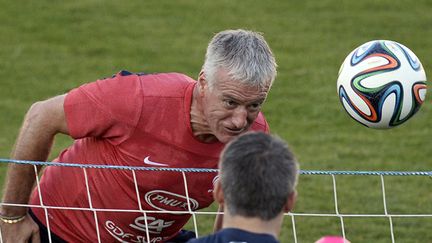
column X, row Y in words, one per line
column 294, row 216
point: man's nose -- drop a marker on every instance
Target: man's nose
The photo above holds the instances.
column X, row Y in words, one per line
column 239, row 118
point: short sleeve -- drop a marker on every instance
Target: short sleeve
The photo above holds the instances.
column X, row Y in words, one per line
column 108, row 108
column 261, row 124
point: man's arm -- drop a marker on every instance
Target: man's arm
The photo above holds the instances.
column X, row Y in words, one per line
column 42, row 122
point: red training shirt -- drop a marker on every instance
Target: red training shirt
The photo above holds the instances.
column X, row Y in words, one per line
column 129, row 120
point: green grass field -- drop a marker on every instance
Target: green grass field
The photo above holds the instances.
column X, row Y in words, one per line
column 50, row 47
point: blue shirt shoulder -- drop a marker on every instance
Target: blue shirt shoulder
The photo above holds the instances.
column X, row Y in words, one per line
column 231, row 235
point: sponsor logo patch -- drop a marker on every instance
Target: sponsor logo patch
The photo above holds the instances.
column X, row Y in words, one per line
column 168, row 201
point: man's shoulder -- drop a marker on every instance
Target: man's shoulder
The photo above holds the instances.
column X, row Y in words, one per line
column 206, row 239
column 260, row 124
column 150, row 84
column 165, row 84
column 235, row 235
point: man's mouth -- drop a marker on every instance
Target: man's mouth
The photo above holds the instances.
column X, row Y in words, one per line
column 234, row 131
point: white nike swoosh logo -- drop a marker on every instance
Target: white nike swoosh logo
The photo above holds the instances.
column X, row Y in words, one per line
column 148, row 162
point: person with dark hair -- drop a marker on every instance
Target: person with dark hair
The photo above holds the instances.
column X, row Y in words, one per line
column 135, row 119
column 258, row 177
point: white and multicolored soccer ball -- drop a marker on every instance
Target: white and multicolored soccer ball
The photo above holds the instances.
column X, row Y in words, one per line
column 381, row 84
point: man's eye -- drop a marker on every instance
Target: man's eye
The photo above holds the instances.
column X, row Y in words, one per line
column 255, row 106
column 230, row 103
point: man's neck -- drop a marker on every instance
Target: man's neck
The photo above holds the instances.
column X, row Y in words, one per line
column 254, row 225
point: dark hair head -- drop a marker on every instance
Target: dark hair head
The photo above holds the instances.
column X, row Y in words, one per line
column 258, row 173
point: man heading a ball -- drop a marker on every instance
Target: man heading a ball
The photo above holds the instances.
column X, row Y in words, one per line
column 165, row 120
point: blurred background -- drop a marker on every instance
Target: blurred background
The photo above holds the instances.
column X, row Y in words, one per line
column 50, row 47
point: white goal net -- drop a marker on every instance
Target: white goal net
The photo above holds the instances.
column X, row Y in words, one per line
column 382, row 206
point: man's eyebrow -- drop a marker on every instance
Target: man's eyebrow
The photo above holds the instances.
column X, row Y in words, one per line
column 227, row 96
column 259, row 100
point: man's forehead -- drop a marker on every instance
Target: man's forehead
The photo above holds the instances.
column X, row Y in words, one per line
column 223, row 77
column 241, row 88
column 244, row 97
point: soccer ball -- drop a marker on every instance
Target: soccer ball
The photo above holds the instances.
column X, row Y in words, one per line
column 381, row 84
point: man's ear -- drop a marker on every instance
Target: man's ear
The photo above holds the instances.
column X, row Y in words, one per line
column 289, row 205
column 218, row 193
column 202, row 81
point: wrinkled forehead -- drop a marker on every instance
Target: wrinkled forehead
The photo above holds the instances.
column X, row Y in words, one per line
column 241, row 92
column 223, row 77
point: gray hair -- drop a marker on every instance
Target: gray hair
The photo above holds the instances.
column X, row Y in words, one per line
column 258, row 172
column 244, row 54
